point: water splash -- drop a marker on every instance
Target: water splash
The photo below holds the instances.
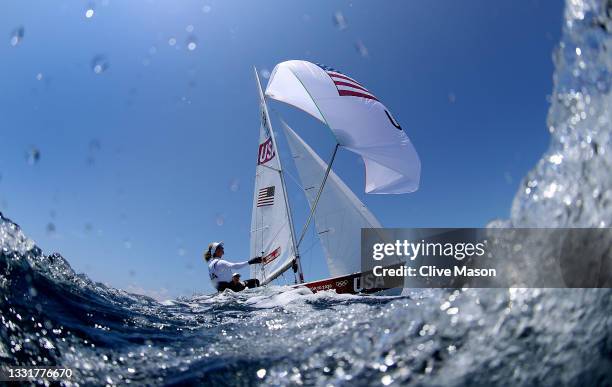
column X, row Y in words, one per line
column 571, row 186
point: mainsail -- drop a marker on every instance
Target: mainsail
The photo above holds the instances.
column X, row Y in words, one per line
column 360, row 122
column 271, row 226
column 339, row 216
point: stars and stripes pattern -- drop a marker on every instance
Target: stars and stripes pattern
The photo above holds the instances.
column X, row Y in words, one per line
column 265, row 196
column 272, row 256
column 346, row 85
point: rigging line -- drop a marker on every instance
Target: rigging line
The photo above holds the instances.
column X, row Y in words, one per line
column 269, row 167
column 295, row 180
column 314, row 241
column 311, row 246
column 314, row 206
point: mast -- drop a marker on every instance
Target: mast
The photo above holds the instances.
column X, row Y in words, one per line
column 282, row 178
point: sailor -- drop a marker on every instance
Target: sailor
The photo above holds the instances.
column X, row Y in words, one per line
column 222, row 273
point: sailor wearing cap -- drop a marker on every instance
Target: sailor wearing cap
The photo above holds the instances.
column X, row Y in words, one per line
column 222, row 273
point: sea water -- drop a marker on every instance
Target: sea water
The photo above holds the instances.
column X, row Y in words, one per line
column 51, row 315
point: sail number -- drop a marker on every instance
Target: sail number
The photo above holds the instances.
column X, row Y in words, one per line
column 266, row 151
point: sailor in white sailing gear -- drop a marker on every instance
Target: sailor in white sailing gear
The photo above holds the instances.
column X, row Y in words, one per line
column 223, row 274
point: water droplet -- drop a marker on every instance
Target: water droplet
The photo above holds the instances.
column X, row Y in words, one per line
column 206, row 9
column 192, row 43
column 234, row 185
column 265, row 73
column 39, row 77
column 33, row 156
column 508, row 177
column 89, row 13
column 386, row 380
column 172, row 41
column 189, row 28
column 99, row 64
column 94, row 145
column 261, row 373
column 220, row 219
column 361, row 49
column 50, row 228
column 17, row 36
column 556, row 159
column 340, row 21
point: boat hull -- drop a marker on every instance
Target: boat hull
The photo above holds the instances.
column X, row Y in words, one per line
column 356, row 283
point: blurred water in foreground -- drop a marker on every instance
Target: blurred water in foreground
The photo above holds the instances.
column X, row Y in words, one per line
column 51, row 315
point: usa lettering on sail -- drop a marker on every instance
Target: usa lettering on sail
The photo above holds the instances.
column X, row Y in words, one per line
column 266, row 151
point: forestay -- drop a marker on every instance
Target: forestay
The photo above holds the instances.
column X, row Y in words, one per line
column 339, row 216
column 359, row 121
column 270, row 224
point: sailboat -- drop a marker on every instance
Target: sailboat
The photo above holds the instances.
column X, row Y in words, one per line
column 360, row 124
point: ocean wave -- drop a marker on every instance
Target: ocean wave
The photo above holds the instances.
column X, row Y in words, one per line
column 51, row 315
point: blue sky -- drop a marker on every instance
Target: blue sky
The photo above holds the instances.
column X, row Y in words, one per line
column 146, row 161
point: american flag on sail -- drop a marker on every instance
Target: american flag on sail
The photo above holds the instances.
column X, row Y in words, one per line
column 346, row 85
column 265, row 196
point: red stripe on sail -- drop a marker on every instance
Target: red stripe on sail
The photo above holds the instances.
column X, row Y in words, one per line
column 351, row 85
column 356, row 94
column 336, row 75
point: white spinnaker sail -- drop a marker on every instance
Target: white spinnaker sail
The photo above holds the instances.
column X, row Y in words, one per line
column 360, row 122
column 270, row 221
column 339, row 216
